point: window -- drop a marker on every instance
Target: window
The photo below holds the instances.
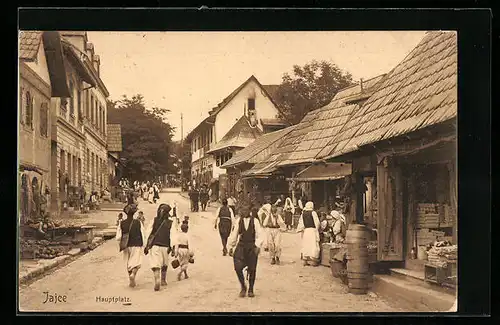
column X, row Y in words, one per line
column 72, row 102
column 100, row 118
column 92, row 109
column 87, row 105
column 217, row 161
column 95, row 112
column 29, row 110
column 62, row 158
column 79, row 103
column 88, row 162
column 21, row 105
column 251, row 104
column 44, row 119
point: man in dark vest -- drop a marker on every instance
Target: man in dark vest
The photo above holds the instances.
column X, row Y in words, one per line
column 204, row 197
column 196, row 199
column 247, row 237
column 224, row 221
column 159, row 245
column 191, row 201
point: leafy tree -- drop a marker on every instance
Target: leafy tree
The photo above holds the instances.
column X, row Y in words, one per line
column 146, row 137
column 310, row 87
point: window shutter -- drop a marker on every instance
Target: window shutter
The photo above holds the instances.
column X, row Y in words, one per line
column 21, row 105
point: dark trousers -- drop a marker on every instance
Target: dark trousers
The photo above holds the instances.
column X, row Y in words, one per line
column 224, row 231
column 204, row 205
column 196, row 206
column 245, row 256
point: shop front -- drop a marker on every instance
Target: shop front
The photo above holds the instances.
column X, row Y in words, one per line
column 323, row 184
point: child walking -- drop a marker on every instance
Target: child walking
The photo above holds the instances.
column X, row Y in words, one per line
column 183, row 252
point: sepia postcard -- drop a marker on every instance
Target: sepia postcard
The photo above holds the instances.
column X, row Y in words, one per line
column 211, row 171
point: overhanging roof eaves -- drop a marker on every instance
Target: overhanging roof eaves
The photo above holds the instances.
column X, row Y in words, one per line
column 79, row 65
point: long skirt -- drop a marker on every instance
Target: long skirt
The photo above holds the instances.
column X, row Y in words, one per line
column 156, row 195
column 274, row 242
column 244, row 256
column 310, row 245
column 158, row 257
column 132, row 257
column 288, row 218
column 183, row 255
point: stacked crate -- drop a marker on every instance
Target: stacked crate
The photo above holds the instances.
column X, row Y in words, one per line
column 448, row 217
column 427, row 215
column 425, row 237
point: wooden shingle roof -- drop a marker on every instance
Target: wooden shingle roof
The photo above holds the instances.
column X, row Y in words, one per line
column 419, row 92
column 114, row 138
column 240, row 135
column 29, row 43
column 317, row 128
column 250, row 154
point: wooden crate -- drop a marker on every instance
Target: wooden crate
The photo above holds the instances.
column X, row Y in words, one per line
column 435, row 274
column 84, row 234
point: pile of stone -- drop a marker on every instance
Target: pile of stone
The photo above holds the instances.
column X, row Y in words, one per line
column 33, row 249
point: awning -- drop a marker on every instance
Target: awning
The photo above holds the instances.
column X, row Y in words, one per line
column 323, row 172
column 261, row 170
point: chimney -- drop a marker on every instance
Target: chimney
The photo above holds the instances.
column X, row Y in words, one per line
column 361, row 84
column 97, row 64
column 89, row 49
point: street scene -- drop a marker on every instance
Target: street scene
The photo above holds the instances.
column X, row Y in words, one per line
column 237, row 172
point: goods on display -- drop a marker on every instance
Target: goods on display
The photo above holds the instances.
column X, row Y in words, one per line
column 442, row 253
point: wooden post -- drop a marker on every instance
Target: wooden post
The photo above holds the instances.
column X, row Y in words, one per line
column 359, row 213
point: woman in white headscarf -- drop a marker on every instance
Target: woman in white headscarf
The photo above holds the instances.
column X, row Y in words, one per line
column 339, row 226
column 309, row 226
column 289, row 209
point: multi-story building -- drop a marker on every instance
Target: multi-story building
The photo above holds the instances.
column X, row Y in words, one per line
column 239, row 119
column 79, row 154
column 41, row 77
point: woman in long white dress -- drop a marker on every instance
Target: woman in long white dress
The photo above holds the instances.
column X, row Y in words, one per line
column 309, row 225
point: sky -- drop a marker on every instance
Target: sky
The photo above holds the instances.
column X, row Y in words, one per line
column 191, row 72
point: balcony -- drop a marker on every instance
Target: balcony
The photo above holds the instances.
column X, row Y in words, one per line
column 200, row 153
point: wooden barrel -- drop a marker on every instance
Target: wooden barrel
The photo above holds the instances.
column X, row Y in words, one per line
column 357, row 255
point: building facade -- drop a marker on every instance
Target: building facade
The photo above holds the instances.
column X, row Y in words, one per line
column 79, row 149
column 250, row 106
column 39, row 81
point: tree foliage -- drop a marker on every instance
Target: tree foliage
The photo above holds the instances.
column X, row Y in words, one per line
column 310, row 87
column 146, row 138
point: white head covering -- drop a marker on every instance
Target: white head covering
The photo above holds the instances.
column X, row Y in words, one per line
column 309, row 206
column 335, row 214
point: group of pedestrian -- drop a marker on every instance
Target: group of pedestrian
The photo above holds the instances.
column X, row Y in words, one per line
column 199, row 195
column 245, row 232
column 165, row 237
column 149, row 192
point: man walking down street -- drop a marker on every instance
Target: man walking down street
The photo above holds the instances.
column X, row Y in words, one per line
column 159, row 245
column 224, row 220
column 204, row 197
column 196, row 199
column 247, row 237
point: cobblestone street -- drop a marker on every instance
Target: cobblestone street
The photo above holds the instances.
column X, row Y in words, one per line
column 212, row 285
